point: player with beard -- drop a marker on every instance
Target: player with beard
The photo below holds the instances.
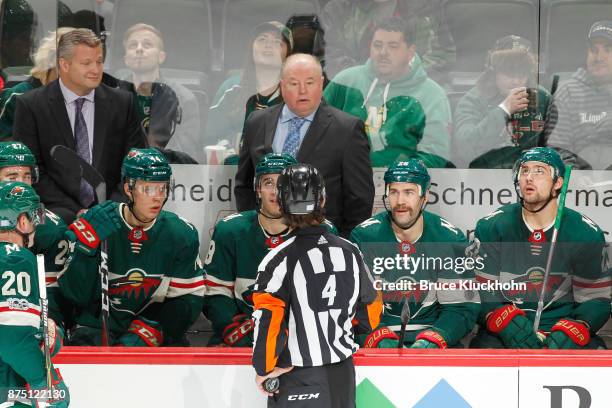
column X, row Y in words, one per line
column 156, row 282
column 438, row 318
column 239, row 243
column 513, row 242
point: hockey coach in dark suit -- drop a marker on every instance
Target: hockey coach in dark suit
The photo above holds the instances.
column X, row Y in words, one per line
column 314, row 133
column 98, row 122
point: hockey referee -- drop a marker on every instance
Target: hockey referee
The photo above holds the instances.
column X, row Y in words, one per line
column 311, row 294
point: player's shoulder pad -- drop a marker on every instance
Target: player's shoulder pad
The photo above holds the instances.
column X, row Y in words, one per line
column 54, row 219
column 177, row 227
column 505, row 215
column 13, row 254
column 330, row 226
column 581, row 227
column 235, row 224
column 372, row 223
column 445, row 230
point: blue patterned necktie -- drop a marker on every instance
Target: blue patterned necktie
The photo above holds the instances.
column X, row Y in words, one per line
column 292, row 142
column 82, row 146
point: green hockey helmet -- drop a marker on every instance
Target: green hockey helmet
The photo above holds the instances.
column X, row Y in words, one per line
column 543, row 155
column 145, row 164
column 17, row 198
column 271, row 163
column 18, row 154
column 408, row 171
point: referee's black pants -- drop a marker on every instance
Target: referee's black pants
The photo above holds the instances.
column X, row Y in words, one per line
column 328, row 386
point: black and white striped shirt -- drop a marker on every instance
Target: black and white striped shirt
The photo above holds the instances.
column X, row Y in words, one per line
column 312, row 292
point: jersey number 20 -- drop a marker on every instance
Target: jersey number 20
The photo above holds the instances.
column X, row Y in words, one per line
column 16, row 283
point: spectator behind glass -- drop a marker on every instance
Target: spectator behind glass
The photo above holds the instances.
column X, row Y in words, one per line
column 169, row 112
column 256, row 87
column 494, row 121
column 98, row 122
column 349, row 25
column 407, row 114
column 43, row 72
column 582, row 123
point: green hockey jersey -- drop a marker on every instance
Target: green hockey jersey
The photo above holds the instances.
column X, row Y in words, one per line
column 21, row 359
column 238, row 245
column 515, row 254
column 154, row 273
column 50, row 241
column 438, row 256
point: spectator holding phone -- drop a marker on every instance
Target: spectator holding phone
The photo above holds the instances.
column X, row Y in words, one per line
column 504, row 114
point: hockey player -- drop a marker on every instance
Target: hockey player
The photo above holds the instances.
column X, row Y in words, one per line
column 22, row 363
column 514, row 242
column 239, row 243
column 17, row 163
column 439, row 315
column 156, row 282
column 309, row 292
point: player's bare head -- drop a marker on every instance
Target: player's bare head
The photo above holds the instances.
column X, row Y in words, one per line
column 302, row 83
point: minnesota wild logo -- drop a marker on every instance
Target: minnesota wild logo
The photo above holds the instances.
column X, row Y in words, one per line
column 134, row 284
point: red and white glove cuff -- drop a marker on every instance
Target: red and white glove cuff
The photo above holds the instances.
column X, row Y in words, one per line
column 85, row 233
column 378, row 335
column 150, row 335
column 236, row 331
column 434, row 337
column 577, row 331
column 501, row 317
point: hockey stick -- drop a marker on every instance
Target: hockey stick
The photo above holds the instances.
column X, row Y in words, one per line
column 553, row 244
column 44, row 314
column 405, row 316
column 64, row 155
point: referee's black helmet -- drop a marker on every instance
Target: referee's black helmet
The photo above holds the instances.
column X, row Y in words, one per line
column 300, row 190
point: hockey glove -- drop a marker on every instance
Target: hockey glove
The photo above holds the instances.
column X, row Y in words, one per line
column 60, row 396
column 56, row 338
column 97, row 224
column 142, row 333
column 429, row 339
column 514, row 329
column 568, row 334
column 239, row 333
column 383, row 337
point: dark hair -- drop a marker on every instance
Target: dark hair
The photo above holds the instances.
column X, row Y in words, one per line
column 397, row 24
column 304, row 221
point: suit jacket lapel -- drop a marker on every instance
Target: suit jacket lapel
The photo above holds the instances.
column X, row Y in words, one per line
column 100, row 119
column 58, row 110
column 320, row 122
column 270, row 126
